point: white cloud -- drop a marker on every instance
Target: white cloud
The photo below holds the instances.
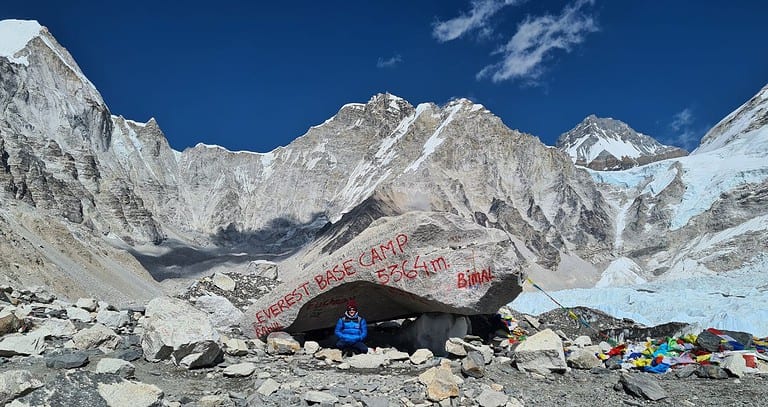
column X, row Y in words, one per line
column 477, row 18
column 682, row 119
column 686, row 134
column 536, row 37
column 389, row 63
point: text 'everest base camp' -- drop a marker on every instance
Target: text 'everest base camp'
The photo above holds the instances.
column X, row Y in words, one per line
column 489, row 268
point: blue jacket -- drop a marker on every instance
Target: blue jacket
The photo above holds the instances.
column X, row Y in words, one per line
column 351, row 329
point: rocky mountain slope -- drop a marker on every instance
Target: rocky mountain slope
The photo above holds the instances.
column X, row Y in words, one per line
column 606, row 144
column 96, row 204
column 67, row 157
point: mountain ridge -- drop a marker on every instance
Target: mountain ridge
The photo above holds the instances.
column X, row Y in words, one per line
column 116, row 184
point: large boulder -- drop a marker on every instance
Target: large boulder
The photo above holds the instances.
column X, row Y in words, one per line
column 541, row 353
column 440, row 381
column 221, row 311
column 398, row 266
column 175, row 329
column 24, row 345
column 97, row 336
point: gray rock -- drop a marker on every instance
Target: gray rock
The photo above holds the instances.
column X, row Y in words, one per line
column 176, row 329
column 268, row 387
column 333, row 355
column 15, row 383
column 686, row 371
column 112, row 319
column 215, row 400
column 490, row 398
column 711, row 372
column 79, row 314
column 421, row 356
column 580, row 358
column 198, row 354
column 66, row 360
column 613, row 363
column 440, row 381
column 642, row 385
column 88, row 304
column 53, row 327
column 582, row 341
column 374, row 401
column 420, row 239
column 713, row 343
column 282, row 343
column 240, row 370
column 311, row 347
column 396, row 355
column 97, row 337
column 223, row 281
column 128, row 355
column 25, row 345
column 221, row 311
column 473, row 365
column 533, row 321
column 114, row 366
column 235, row 347
column 313, row 396
column 734, row 364
column 541, row 353
column 367, row 361
column 42, row 295
column 455, row 348
column 133, row 394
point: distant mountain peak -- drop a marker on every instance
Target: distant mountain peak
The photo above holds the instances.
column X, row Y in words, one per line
column 610, row 144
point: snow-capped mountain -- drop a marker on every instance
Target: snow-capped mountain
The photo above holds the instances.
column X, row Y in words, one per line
column 96, row 204
column 709, row 206
column 73, row 166
column 605, row 144
column 739, row 131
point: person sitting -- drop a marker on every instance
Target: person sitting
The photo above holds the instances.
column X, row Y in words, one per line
column 351, row 329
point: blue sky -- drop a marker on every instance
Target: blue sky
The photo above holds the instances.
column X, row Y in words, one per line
column 253, row 76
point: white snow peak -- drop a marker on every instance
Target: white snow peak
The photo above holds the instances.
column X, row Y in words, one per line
column 14, row 36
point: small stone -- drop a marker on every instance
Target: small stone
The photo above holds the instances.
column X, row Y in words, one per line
column 490, row 398
column 313, row 396
column 240, row 370
column 223, row 281
column 119, row 367
column 88, row 304
column 311, row 347
column 268, row 387
column 421, row 356
column 127, row 393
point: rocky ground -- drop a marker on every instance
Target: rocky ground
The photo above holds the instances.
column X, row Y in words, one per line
column 53, row 353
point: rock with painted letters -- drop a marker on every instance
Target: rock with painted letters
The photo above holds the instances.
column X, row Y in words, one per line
column 414, row 263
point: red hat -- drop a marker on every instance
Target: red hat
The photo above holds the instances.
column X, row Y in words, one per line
column 351, row 304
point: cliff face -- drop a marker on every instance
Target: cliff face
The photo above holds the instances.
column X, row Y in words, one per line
column 82, row 188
